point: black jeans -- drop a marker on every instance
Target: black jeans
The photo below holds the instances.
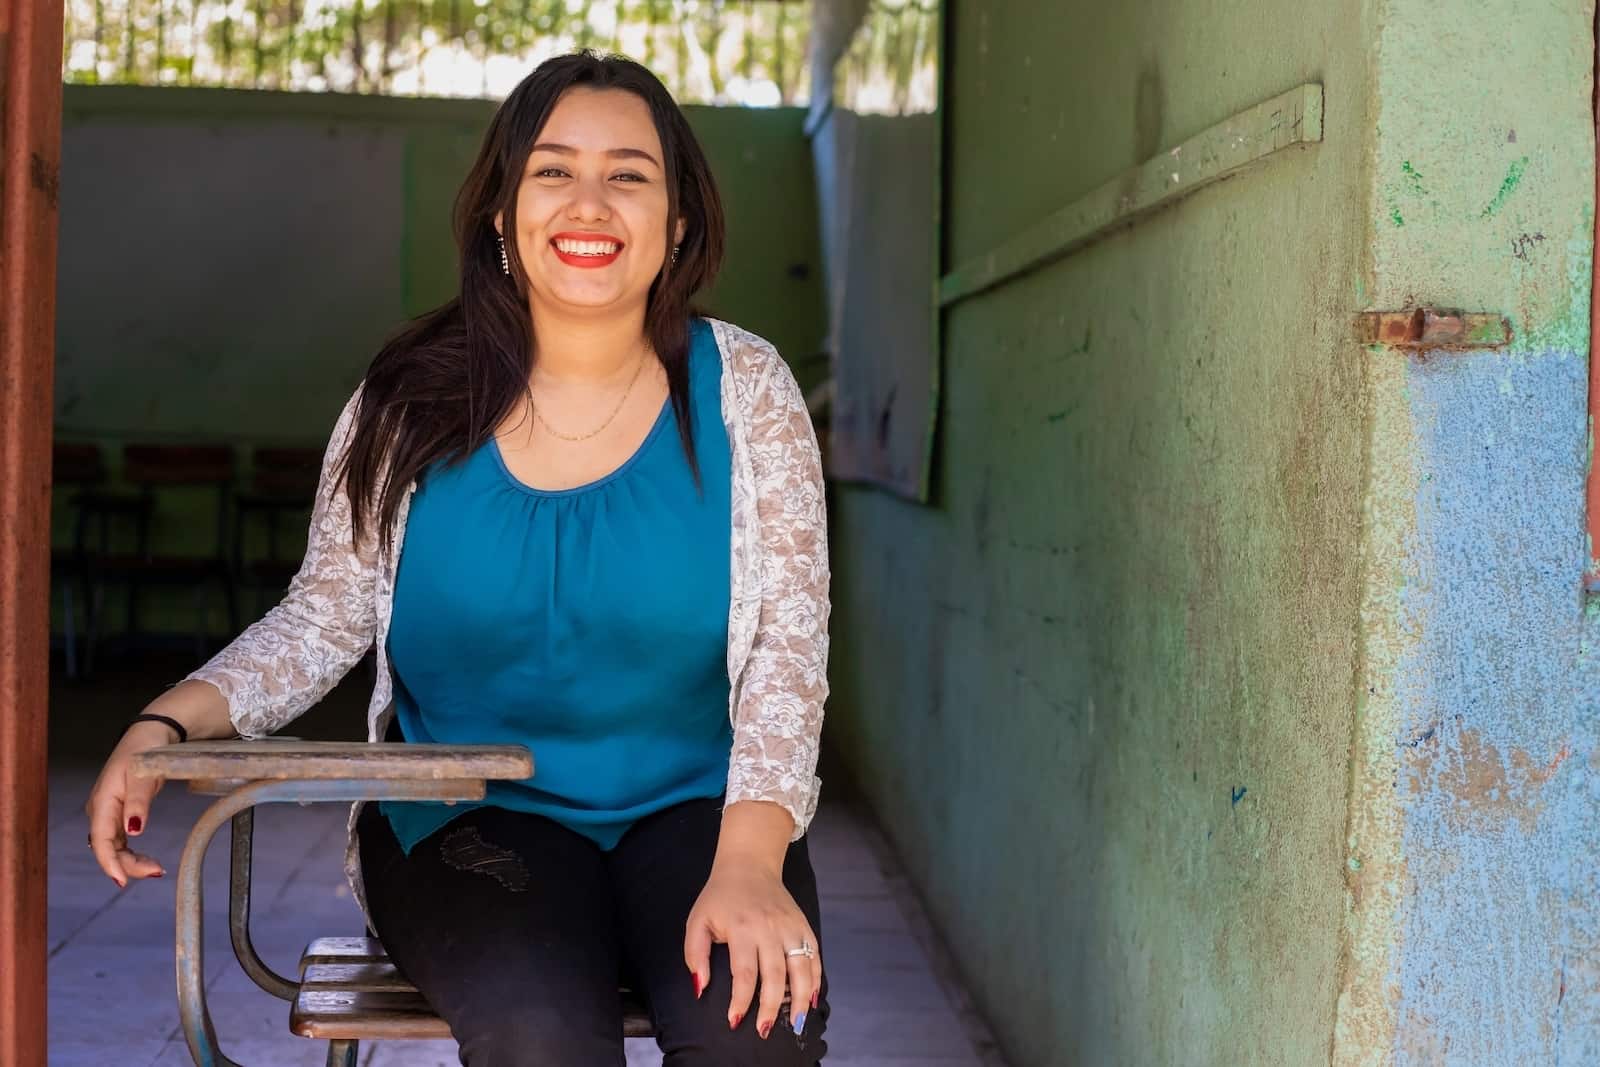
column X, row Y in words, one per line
column 519, row 930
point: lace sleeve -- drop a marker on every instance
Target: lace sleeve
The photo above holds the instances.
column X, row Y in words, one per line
column 284, row 663
column 778, row 721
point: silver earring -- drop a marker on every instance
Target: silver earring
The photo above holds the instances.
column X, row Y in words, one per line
column 675, row 253
column 505, row 264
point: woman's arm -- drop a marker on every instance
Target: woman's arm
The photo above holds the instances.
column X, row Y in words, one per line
column 269, row 674
column 778, row 717
column 772, row 785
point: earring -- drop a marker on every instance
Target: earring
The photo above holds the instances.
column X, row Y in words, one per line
column 675, row 253
column 505, row 264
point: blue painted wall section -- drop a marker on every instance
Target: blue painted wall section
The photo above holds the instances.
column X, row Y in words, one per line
column 1497, row 787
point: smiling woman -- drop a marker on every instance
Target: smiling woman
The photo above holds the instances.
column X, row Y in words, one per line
column 568, row 512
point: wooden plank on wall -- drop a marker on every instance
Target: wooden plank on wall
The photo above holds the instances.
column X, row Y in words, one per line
column 1286, row 121
column 30, row 155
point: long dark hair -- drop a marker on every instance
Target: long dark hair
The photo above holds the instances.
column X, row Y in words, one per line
column 438, row 388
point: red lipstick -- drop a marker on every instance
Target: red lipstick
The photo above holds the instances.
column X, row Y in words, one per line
column 587, row 261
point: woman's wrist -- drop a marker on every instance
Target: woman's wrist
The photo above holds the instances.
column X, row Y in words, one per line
column 179, row 732
column 198, row 709
column 150, row 731
column 754, row 834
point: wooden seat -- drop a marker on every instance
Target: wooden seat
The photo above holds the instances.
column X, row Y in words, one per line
column 350, row 990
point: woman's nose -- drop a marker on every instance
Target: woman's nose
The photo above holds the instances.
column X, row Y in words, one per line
column 589, row 201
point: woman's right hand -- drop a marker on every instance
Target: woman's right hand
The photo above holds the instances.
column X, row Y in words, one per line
column 119, row 805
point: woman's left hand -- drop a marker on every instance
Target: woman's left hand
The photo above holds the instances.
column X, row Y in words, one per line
column 746, row 907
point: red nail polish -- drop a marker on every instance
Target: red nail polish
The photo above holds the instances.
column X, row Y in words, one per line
column 135, row 824
column 697, row 986
column 766, row 1028
column 737, row 1019
column 815, row 993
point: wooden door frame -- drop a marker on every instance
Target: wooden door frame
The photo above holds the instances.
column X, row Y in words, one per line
column 30, row 155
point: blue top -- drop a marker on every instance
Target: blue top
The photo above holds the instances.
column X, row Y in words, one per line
column 590, row 624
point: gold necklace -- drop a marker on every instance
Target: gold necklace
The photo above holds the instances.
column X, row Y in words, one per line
column 596, row 431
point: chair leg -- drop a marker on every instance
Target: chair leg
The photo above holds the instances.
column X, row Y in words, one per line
column 343, row 1053
column 199, row 624
column 70, row 637
column 230, row 597
column 92, row 610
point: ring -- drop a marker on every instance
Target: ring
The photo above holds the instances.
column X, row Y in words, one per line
column 805, row 950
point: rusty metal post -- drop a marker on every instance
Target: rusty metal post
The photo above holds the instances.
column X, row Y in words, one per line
column 30, row 154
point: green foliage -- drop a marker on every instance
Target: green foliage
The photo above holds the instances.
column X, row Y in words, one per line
column 704, row 50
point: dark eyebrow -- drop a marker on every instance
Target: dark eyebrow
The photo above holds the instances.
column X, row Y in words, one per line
column 614, row 153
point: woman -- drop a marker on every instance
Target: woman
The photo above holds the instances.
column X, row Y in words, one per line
column 568, row 513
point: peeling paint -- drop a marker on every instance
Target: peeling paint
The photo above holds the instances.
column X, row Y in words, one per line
column 1489, row 810
column 1481, row 784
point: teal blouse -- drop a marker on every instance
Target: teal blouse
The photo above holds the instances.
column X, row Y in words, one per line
column 589, row 624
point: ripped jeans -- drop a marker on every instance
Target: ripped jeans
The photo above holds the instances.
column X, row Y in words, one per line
column 519, row 930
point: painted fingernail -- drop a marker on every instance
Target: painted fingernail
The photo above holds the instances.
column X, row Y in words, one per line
column 800, row 1023
column 764, row 1029
column 697, row 985
column 737, row 1019
column 815, row 993
column 135, row 824
column 159, row 874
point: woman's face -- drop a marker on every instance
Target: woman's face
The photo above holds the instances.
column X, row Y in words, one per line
column 592, row 211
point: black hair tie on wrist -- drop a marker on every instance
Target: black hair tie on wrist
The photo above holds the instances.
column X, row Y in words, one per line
column 183, row 735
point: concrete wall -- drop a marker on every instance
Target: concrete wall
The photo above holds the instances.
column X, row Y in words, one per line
column 230, row 260
column 1475, row 904
column 1102, row 690
column 1234, row 702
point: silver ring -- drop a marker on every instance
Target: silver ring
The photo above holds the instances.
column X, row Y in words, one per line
column 805, row 950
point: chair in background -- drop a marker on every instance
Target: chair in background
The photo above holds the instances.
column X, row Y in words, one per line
column 282, row 489
column 76, row 470
column 153, row 468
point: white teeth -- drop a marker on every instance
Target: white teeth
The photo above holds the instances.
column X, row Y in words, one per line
column 588, row 248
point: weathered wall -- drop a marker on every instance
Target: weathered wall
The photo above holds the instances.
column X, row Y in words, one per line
column 1475, row 921
column 1102, row 691
column 230, row 261
column 1217, row 610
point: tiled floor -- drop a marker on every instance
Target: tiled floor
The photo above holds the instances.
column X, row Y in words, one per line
column 112, row 998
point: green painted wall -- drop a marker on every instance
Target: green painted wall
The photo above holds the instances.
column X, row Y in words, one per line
column 231, row 260
column 1234, row 702
column 1101, row 691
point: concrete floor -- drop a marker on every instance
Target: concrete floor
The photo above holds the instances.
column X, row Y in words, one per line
column 112, row 998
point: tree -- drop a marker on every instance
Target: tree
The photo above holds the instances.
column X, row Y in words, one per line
column 371, row 46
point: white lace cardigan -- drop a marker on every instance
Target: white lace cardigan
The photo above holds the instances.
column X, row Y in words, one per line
column 340, row 602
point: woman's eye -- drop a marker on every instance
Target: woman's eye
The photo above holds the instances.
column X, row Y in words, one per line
column 631, row 177
column 550, row 172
